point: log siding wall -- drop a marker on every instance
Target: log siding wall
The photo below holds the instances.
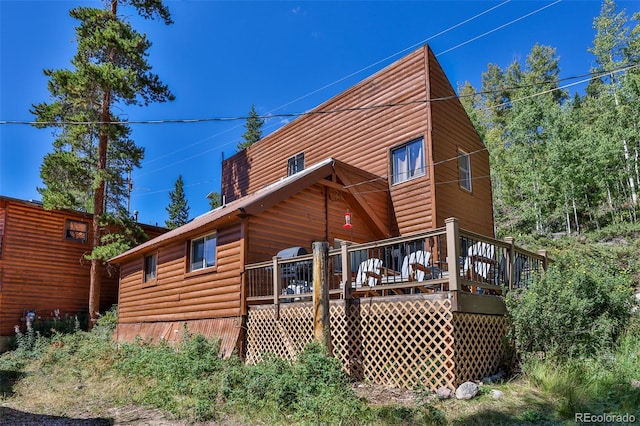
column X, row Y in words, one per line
column 363, row 138
column 178, row 295
column 41, row 270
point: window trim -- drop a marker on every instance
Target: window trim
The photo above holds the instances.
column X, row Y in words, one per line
column 294, row 161
column 423, row 169
column 206, row 237
column 145, row 275
column 464, row 174
column 68, row 230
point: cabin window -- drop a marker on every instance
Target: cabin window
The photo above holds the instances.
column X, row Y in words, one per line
column 464, row 170
column 150, row 267
column 76, row 230
column 295, row 164
column 407, row 161
column 203, row 252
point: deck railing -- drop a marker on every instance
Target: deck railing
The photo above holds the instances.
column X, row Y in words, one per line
column 444, row 259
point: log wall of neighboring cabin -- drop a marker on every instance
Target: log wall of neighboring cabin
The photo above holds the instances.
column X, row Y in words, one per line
column 453, row 130
column 40, row 269
column 362, row 138
column 178, row 295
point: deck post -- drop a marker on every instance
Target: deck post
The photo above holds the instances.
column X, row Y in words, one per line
column 346, row 270
column 511, row 260
column 545, row 259
column 453, row 253
column 321, row 330
column 277, row 284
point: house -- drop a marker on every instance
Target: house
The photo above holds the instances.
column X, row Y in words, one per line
column 42, row 265
column 397, row 152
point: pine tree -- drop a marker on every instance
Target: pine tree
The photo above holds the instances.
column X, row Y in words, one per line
column 93, row 151
column 214, row 200
column 178, row 209
column 254, row 129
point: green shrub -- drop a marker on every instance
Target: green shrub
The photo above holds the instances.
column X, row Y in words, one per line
column 313, row 389
column 577, row 308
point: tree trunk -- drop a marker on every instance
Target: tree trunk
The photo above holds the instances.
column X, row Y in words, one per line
column 95, row 281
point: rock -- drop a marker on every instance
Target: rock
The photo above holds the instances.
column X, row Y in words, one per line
column 467, row 390
column 496, row 394
column 443, row 393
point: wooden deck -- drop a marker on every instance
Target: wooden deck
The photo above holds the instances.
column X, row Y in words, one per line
column 471, row 269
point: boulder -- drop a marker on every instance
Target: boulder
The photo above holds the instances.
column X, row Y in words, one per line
column 443, row 393
column 467, row 390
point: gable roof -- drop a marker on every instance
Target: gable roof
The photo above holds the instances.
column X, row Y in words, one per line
column 274, row 193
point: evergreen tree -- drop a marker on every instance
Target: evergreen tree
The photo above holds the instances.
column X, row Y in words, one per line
column 214, row 200
column 178, row 209
column 93, row 151
column 254, row 129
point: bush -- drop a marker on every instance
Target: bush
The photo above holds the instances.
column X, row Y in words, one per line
column 577, row 308
column 313, row 389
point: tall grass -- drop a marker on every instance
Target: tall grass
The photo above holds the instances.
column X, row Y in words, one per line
column 601, row 383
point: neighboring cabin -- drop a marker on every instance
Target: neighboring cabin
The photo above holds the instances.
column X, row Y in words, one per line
column 398, row 152
column 42, row 265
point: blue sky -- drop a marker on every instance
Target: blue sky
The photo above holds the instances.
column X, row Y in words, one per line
column 220, row 57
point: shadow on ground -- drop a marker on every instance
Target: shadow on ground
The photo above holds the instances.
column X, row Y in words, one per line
column 9, row 416
column 7, row 379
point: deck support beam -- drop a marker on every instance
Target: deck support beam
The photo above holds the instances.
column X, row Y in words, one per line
column 321, row 330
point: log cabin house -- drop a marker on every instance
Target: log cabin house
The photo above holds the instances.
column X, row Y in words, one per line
column 380, row 167
column 42, row 265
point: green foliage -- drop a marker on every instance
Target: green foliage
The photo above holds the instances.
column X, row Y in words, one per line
column 599, row 384
column 119, row 233
column 254, row 129
column 563, row 164
column 214, row 200
column 313, row 389
column 180, row 379
column 178, row 209
column 577, row 308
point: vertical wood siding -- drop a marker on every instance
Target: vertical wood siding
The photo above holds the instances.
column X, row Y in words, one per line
column 177, row 295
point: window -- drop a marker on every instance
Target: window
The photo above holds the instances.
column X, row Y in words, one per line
column 203, row 252
column 464, row 170
column 150, row 267
column 295, row 164
column 407, row 161
column 76, row 231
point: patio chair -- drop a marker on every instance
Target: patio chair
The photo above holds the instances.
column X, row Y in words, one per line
column 480, row 263
column 369, row 272
column 415, row 266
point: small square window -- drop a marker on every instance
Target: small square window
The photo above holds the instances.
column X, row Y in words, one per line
column 295, row 164
column 203, row 252
column 76, row 230
column 150, row 267
column 464, row 170
column 407, row 161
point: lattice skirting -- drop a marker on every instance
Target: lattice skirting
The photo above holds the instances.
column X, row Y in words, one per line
column 413, row 342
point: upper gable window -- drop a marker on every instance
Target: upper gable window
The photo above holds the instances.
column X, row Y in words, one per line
column 295, row 164
column 76, row 230
column 203, row 252
column 464, row 170
column 407, row 161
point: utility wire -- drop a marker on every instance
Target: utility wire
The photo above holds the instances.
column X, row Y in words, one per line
column 593, row 75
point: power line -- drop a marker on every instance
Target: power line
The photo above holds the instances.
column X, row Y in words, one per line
column 593, row 75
